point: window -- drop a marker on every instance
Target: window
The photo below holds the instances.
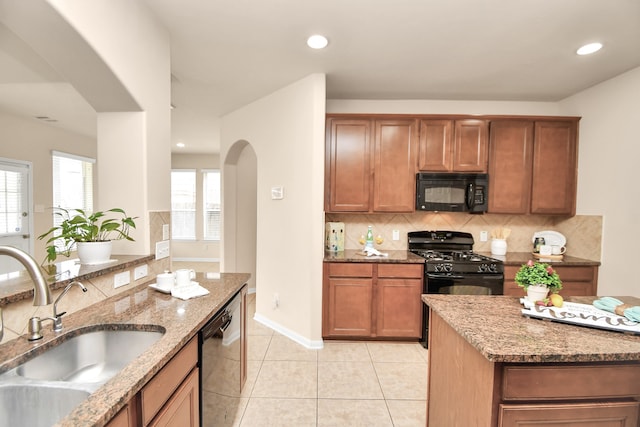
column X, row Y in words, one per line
column 211, row 204
column 11, row 184
column 72, row 183
column 183, row 204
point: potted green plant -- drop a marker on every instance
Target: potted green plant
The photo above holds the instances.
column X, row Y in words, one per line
column 88, row 232
column 538, row 279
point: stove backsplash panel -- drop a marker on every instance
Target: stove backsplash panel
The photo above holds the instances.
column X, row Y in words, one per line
column 583, row 232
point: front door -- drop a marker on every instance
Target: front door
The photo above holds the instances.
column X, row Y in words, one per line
column 15, row 210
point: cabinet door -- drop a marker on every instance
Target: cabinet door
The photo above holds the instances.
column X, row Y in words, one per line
column 348, row 165
column 554, row 168
column 395, row 151
column 127, row 417
column 399, row 308
column 470, row 146
column 349, row 307
column 183, row 407
column 510, row 165
column 436, row 144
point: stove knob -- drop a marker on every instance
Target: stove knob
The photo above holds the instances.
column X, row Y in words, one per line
column 448, row 268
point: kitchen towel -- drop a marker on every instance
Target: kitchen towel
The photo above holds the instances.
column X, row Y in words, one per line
column 614, row 305
column 193, row 290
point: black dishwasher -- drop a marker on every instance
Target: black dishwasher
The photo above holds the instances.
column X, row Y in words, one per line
column 222, row 355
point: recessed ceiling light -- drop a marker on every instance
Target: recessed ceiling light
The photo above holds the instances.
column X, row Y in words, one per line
column 317, row 42
column 590, row 48
column 180, row 145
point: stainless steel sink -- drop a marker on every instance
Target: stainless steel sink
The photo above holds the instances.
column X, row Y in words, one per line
column 93, row 357
column 36, row 405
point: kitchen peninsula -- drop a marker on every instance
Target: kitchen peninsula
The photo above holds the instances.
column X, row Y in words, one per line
column 491, row 366
column 137, row 308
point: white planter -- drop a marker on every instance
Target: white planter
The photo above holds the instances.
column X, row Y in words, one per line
column 537, row 293
column 94, row 252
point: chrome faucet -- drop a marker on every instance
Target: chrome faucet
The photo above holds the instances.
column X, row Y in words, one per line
column 41, row 292
column 35, row 323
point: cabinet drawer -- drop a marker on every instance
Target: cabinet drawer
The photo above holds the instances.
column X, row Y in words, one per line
column 350, row 269
column 618, row 414
column 411, row 271
column 161, row 387
column 571, row 382
column 575, row 274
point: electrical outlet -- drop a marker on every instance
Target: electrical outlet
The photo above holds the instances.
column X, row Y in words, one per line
column 484, row 236
column 165, row 231
column 163, row 249
column 140, row 272
column 121, row 279
column 396, row 235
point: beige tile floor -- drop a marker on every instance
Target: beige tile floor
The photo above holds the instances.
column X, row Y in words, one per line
column 343, row 384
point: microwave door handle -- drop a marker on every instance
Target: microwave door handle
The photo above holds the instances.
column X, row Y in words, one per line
column 470, row 196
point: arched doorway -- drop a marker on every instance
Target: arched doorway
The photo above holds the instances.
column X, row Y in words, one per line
column 239, row 211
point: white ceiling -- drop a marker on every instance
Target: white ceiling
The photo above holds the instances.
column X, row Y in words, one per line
column 226, row 54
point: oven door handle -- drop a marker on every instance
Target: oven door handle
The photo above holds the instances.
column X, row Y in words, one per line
column 443, row 276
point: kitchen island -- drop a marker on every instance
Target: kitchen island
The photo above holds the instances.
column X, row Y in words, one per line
column 491, row 366
column 143, row 308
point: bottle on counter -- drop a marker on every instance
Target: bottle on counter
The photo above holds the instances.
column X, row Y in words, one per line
column 369, row 241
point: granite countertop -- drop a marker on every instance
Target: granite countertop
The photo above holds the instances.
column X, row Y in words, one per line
column 519, row 258
column 352, row 255
column 19, row 286
column 495, row 326
column 145, row 309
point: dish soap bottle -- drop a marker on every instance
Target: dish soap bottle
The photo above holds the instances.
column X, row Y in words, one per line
column 369, row 241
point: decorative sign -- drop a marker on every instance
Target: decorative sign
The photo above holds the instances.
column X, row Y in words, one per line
column 581, row 315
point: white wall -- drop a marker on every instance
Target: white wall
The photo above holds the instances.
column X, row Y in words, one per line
column 286, row 131
column 30, row 140
column 608, row 173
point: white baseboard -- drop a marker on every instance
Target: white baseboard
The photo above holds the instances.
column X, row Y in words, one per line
column 312, row 345
column 187, row 259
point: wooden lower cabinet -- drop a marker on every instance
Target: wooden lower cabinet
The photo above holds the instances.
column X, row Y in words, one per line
column 173, row 393
column 182, row 409
column 578, row 280
column 128, row 416
column 611, row 414
column 365, row 300
column 470, row 390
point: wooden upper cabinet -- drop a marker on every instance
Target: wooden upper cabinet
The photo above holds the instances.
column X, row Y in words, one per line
column 554, row 168
column 453, row 145
column 470, row 146
column 348, row 165
column 395, row 152
column 436, row 138
column 510, row 164
column 370, row 165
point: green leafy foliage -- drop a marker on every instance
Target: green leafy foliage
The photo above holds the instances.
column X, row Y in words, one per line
column 80, row 226
column 538, row 273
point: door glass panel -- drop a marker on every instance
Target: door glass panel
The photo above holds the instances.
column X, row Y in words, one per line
column 14, row 212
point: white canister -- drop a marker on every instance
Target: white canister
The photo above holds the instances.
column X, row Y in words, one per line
column 498, row 247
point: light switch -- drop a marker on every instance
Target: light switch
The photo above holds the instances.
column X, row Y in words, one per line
column 277, row 193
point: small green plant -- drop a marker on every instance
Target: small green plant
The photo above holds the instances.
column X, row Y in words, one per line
column 80, row 226
column 538, row 273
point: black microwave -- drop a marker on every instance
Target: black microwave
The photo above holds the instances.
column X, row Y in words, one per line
column 452, row 192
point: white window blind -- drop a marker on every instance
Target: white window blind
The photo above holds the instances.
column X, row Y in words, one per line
column 211, row 204
column 183, row 204
column 10, row 200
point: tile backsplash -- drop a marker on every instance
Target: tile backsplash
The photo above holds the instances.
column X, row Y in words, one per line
column 583, row 232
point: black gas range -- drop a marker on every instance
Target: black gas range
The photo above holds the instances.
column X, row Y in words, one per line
column 451, row 266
